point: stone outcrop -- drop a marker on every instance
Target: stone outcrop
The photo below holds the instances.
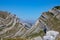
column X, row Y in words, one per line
column 10, row 25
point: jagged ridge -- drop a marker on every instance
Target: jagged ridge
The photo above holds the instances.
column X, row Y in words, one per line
column 12, row 27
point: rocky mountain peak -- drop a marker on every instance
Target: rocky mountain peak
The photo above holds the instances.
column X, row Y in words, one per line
column 12, row 27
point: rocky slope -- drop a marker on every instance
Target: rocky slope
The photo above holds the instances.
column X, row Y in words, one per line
column 49, row 20
column 11, row 26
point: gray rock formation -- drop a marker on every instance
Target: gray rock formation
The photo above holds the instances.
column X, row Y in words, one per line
column 49, row 20
column 11, row 26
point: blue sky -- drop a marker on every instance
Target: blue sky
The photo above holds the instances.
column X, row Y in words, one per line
column 27, row 9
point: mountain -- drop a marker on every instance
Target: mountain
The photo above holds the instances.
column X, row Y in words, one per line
column 12, row 27
column 49, row 20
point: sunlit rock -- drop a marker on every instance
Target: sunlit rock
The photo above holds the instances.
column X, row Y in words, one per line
column 48, row 38
column 52, row 33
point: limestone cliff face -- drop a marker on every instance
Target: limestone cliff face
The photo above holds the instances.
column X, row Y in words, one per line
column 52, row 19
column 49, row 19
column 11, row 26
